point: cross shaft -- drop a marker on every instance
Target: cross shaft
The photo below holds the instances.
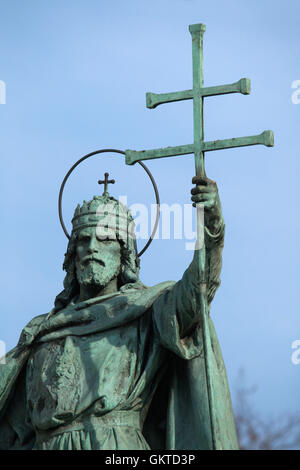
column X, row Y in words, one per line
column 199, row 147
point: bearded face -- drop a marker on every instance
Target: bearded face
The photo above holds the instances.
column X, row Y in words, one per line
column 97, row 261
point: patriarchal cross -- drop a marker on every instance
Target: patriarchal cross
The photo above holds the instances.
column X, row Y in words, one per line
column 198, row 148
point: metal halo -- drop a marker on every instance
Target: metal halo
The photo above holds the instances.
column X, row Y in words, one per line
column 111, row 151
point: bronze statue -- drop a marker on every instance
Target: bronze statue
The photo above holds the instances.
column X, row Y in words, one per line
column 116, row 364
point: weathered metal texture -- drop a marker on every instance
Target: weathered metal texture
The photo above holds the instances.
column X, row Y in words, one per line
column 106, row 182
column 242, row 86
column 199, row 147
column 110, row 342
column 97, row 152
column 197, row 94
column 265, row 138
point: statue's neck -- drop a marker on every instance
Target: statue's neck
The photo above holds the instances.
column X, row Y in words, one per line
column 89, row 292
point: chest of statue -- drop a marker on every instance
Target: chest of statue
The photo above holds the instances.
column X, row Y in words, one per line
column 68, row 376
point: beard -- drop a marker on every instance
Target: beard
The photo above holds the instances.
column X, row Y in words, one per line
column 93, row 275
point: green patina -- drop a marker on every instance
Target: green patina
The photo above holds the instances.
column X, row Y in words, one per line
column 197, row 94
column 116, row 364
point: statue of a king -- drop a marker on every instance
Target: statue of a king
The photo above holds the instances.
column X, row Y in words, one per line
column 116, row 364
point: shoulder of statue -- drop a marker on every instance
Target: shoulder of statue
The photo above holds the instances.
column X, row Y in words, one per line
column 36, row 321
column 162, row 285
column 148, row 294
column 31, row 329
column 160, row 288
column 142, row 289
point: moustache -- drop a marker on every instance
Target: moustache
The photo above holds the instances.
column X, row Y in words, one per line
column 89, row 259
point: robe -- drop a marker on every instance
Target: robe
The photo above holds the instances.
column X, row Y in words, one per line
column 124, row 371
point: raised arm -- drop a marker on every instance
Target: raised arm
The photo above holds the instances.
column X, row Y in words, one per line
column 206, row 191
column 178, row 310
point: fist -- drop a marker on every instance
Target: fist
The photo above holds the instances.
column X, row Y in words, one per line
column 206, row 192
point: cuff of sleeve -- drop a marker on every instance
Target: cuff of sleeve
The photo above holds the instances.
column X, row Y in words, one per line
column 216, row 237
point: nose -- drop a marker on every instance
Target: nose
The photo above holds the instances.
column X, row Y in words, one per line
column 93, row 245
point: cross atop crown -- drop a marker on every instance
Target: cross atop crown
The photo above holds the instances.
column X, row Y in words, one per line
column 106, row 182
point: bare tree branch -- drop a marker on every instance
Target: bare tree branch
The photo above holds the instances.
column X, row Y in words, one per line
column 255, row 433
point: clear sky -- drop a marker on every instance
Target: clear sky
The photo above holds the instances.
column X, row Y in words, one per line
column 76, row 73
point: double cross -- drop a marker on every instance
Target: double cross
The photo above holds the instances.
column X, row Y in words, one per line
column 198, row 148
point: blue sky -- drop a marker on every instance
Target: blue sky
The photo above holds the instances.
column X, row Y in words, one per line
column 76, row 74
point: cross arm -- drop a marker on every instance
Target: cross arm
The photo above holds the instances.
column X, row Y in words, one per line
column 265, row 138
column 133, row 156
column 241, row 86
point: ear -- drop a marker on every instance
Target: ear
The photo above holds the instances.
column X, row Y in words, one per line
column 129, row 271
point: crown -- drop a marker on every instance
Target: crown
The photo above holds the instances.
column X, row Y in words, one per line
column 111, row 218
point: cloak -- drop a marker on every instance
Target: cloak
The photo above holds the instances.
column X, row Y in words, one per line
column 179, row 414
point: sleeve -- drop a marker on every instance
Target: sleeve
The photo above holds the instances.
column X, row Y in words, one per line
column 16, row 432
column 215, row 244
column 177, row 311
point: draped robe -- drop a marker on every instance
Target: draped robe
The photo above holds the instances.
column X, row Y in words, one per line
column 122, row 371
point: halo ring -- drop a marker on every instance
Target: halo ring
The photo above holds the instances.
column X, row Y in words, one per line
column 110, row 151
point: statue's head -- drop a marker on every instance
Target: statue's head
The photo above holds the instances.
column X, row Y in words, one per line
column 102, row 247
